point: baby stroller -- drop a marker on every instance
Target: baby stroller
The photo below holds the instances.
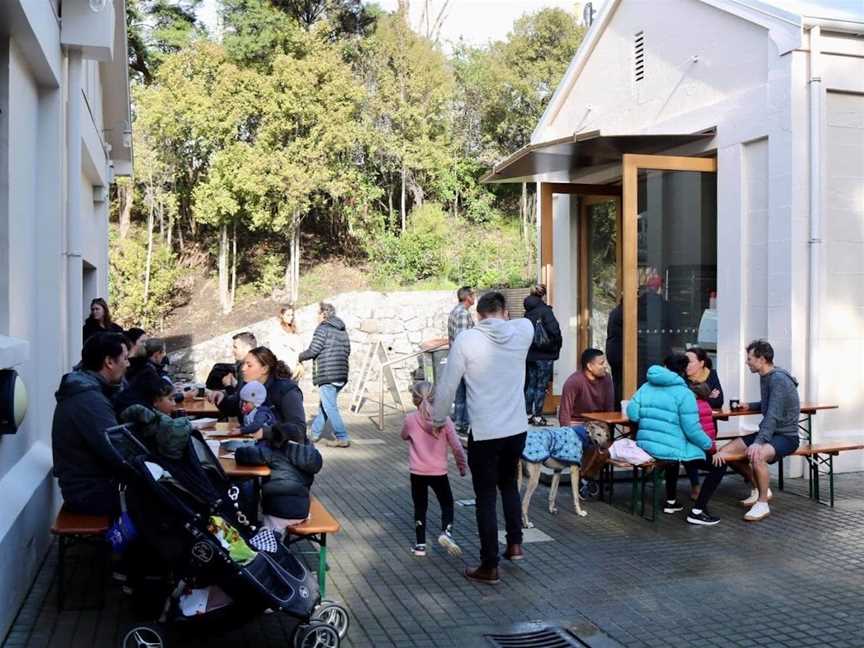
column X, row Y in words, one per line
column 187, row 523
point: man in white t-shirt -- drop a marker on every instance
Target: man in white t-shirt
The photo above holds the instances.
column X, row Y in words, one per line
column 491, row 359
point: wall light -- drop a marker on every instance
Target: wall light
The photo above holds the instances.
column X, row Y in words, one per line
column 13, row 401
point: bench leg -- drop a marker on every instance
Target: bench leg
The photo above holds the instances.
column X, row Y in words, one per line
column 61, row 561
column 322, row 566
column 780, row 473
column 831, row 477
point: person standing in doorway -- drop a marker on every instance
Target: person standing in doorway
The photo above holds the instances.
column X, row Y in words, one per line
column 542, row 355
column 330, row 348
column 460, row 320
column 491, row 359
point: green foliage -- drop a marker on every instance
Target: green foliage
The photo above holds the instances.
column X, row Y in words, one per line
column 440, row 250
column 128, row 263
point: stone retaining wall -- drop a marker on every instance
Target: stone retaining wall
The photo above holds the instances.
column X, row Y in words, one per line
column 401, row 320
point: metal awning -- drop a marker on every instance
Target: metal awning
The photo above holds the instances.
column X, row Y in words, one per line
column 581, row 151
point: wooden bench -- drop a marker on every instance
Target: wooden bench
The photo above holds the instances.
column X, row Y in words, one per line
column 315, row 529
column 819, row 457
column 70, row 528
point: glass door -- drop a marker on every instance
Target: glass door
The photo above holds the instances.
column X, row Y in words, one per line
column 669, row 250
column 600, row 322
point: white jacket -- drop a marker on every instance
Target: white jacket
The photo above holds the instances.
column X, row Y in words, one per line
column 491, row 359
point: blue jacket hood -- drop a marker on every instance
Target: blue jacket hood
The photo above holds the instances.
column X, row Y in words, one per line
column 662, row 377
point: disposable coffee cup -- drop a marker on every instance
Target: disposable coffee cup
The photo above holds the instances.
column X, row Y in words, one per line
column 214, row 447
column 624, row 404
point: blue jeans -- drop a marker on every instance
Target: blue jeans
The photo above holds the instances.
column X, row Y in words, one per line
column 328, row 410
column 538, row 373
column 460, row 408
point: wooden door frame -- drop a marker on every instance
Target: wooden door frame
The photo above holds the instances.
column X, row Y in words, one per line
column 547, row 190
column 631, row 164
column 583, row 236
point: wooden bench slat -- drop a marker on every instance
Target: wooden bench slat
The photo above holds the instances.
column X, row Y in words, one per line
column 68, row 523
column 809, row 451
column 320, row 521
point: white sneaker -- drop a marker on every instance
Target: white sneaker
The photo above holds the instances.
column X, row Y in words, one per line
column 758, row 512
column 446, row 541
column 754, row 497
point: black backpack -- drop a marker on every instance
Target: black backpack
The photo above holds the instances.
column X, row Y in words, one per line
column 542, row 340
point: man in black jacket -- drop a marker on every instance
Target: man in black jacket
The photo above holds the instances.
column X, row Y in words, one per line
column 329, row 349
column 84, row 463
column 543, row 353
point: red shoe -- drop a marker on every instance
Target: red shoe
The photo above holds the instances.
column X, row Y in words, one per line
column 486, row 575
column 514, row 552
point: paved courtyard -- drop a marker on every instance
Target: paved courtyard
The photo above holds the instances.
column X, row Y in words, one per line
column 793, row 580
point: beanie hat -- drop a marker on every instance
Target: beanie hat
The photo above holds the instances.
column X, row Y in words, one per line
column 254, row 392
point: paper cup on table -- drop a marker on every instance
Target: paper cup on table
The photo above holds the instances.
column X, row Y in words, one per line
column 214, row 447
column 624, row 404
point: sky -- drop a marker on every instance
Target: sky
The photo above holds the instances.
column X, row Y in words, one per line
column 476, row 21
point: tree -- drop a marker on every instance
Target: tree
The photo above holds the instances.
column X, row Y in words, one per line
column 410, row 89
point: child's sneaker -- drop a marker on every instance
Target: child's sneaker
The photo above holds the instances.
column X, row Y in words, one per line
column 446, row 541
column 672, row 506
column 419, row 549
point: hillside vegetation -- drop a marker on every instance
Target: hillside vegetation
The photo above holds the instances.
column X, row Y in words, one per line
column 320, row 130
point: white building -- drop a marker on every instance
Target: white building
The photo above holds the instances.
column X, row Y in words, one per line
column 64, row 135
column 712, row 146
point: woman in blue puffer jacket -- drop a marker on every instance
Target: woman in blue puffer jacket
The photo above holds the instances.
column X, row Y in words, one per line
column 668, row 418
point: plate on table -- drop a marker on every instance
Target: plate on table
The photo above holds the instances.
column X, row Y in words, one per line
column 202, row 423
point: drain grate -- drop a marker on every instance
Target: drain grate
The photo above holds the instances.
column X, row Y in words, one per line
column 539, row 638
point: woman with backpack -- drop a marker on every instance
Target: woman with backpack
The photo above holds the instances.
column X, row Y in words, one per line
column 543, row 353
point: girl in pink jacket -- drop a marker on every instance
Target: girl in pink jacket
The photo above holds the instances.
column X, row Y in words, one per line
column 706, row 420
column 427, row 459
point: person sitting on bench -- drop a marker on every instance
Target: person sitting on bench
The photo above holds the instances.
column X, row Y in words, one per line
column 777, row 436
column 84, row 462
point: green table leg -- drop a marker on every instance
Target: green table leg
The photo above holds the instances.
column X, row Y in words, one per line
column 322, row 566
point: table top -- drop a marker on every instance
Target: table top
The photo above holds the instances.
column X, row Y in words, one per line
column 199, row 408
column 617, row 418
column 806, row 408
column 233, row 432
column 233, row 469
column 610, row 418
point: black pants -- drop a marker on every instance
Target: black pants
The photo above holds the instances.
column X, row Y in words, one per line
column 692, row 470
column 493, row 466
column 420, row 485
column 712, row 481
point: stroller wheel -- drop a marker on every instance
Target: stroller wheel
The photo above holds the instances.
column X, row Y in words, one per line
column 316, row 635
column 144, row 635
column 335, row 615
column 590, row 489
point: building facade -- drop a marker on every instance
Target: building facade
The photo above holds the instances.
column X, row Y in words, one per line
column 700, row 177
column 64, row 136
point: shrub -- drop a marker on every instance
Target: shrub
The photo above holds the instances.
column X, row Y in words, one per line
column 437, row 250
column 128, row 263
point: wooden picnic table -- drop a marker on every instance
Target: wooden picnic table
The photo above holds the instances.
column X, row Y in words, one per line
column 623, row 426
column 199, row 408
column 233, row 469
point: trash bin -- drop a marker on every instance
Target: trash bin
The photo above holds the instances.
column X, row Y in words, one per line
column 433, row 358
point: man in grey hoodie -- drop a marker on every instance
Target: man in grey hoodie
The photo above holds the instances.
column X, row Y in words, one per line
column 778, row 430
column 491, row 359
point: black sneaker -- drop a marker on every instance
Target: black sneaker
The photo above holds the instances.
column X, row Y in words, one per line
column 702, row 518
column 672, row 507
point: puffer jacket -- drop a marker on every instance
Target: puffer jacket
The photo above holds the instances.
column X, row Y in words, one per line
column 706, row 420
column 84, row 462
column 665, row 410
column 293, row 467
column 330, row 348
column 171, row 435
column 538, row 310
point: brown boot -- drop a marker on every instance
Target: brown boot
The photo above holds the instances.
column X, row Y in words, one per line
column 514, row 552
column 487, row 575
